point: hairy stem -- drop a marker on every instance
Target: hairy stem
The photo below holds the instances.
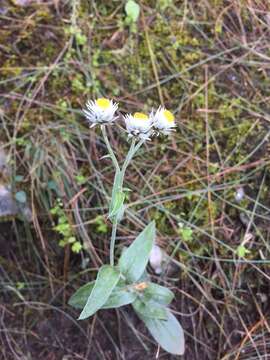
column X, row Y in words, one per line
column 105, row 137
column 132, row 150
column 113, row 236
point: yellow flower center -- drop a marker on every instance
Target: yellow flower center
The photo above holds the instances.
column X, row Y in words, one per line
column 103, row 103
column 168, row 116
column 140, row 116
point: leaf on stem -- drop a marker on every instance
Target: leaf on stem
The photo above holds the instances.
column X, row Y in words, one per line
column 150, row 309
column 158, row 293
column 117, row 204
column 168, row 333
column 120, row 296
column 118, row 196
column 134, row 259
column 80, row 297
column 106, row 281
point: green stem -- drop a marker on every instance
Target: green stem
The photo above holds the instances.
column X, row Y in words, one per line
column 105, row 137
column 117, row 167
column 113, row 237
column 132, row 150
column 128, row 158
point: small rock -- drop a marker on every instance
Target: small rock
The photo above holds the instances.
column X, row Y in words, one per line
column 156, row 258
column 244, row 219
column 4, row 169
column 22, row 2
column 8, row 206
column 239, row 195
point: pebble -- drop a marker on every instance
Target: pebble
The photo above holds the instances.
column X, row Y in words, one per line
column 239, row 195
column 156, row 258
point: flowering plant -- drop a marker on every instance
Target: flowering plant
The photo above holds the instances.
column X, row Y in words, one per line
column 127, row 282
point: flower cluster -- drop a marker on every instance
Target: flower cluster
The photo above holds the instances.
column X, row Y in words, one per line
column 143, row 126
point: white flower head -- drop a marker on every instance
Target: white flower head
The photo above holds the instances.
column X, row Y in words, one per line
column 139, row 124
column 100, row 111
column 163, row 120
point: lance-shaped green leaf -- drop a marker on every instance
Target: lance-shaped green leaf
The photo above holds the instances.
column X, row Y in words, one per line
column 150, row 309
column 117, row 187
column 120, row 296
column 117, row 205
column 158, row 293
column 134, row 259
column 106, row 281
column 167, row 333
column 80, row 297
